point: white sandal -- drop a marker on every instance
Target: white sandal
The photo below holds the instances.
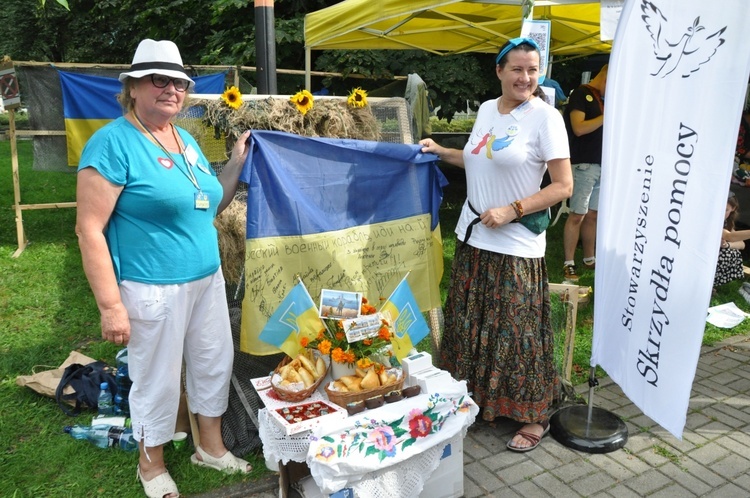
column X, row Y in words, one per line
column 228, row 463
column 158, row 487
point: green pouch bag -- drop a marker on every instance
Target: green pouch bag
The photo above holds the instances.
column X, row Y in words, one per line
column 536, row 222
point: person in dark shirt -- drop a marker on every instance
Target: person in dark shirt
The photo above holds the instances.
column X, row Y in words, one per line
column 584, row 117
column 743, row 138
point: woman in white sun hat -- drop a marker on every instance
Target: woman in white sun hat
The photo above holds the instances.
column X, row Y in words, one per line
column 146, row 201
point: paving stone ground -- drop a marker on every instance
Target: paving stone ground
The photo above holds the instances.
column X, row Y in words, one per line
column 712, row 459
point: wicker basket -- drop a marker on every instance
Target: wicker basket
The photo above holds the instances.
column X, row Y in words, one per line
column 344, row 398
column 295, row 396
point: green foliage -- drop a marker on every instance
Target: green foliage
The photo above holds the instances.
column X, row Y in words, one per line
column 222, row 32
column 454, row 126
column 64, row 3
column 451, row 80
column 390, row 126
column 21, row 121
column 372, row 64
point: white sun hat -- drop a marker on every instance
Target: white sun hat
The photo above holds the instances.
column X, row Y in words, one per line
column 157, row 57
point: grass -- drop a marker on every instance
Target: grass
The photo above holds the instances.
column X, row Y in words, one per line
column 47, row 310
column 21, row 120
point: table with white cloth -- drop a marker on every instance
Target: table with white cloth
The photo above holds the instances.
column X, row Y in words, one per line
column 387, row 452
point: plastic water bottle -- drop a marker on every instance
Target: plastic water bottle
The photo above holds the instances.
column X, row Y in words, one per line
column 123, row 382
column 121, row 360
column 105, row 403
column 122, row 406
column 104, row 436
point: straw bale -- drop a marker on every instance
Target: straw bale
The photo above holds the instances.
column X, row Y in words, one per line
column 231, row 227
column 330, row 118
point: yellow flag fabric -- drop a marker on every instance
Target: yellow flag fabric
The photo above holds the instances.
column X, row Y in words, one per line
column 350, row 215
column 295, row 318
column 90, row 102
column 409, row 326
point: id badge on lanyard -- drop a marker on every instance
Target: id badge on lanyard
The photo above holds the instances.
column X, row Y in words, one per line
column 201, row 201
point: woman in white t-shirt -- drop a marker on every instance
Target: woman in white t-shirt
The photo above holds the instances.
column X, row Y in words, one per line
column 498, row 334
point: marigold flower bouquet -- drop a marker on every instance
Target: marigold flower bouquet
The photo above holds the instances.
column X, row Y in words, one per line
column 367, row 358
column 333, row 339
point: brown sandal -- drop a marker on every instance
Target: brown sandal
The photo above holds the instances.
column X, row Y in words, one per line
column 530, row 437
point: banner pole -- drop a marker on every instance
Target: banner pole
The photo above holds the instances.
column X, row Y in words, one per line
column 21, row 234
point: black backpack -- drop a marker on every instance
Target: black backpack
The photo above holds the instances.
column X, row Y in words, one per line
column 85, row 381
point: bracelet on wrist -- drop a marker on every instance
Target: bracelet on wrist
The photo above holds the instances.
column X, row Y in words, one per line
column 518, row 208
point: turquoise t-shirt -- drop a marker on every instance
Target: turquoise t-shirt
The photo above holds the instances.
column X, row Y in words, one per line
column 156, row 235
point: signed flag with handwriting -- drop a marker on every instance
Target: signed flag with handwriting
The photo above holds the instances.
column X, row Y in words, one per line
column 341, row 214
column 666, row 169
column 90, row 102
column 409, row 326
column 295, row 318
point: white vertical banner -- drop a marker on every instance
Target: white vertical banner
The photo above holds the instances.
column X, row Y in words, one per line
column 676, row 82
column 609, row 15
column 541, row 32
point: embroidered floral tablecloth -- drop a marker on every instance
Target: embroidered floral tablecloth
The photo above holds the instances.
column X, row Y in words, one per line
column 388, row 452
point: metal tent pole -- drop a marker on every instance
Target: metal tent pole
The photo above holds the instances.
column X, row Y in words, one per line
column 265, row 47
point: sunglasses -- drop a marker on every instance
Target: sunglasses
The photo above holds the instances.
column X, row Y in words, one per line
column 161, row 81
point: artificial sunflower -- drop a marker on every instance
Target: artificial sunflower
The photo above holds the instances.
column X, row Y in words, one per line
column 232, row 97
column 303, row 100
column 358, row 98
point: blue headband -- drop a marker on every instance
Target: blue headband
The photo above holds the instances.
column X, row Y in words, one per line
column 513, row 43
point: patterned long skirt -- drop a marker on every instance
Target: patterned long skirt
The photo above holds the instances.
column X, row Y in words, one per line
column 498, row 335
column 728, row 266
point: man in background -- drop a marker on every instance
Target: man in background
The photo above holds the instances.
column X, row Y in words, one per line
column 584, row 117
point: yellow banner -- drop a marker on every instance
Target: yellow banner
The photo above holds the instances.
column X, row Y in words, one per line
column 77, row 133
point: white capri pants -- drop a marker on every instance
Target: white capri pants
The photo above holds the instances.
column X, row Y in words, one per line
column 167, row 322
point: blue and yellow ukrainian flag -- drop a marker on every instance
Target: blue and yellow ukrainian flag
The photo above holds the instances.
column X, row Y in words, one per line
column 409, row 326
column 340, row 214
column 295, row 318
column 90, row 102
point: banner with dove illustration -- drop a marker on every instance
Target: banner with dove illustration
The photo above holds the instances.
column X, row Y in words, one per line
column 341, row 214
column 677, row 78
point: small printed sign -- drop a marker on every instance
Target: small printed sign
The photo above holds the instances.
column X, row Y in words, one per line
column 9, row 86
column 363, row 327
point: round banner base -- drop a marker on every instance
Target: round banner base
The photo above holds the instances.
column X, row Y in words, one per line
column 604, row 433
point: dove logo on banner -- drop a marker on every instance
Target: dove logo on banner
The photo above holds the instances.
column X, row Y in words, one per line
column 677, row 47
column 666, row 167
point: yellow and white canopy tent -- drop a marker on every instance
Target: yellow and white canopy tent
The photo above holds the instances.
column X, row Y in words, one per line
column 451, row 26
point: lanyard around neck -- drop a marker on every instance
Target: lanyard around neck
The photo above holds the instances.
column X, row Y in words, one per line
column 188, row 172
